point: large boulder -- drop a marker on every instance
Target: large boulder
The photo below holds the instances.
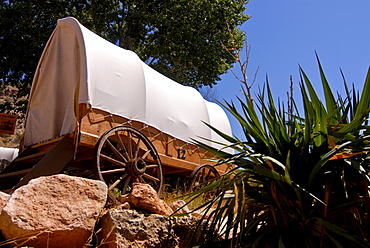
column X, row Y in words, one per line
column 53, row 211
column 144, row 197
column 122, row 228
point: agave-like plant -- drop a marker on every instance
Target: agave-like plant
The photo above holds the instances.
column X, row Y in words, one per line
column 299, row 180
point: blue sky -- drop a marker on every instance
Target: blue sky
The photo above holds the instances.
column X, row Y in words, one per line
column 286, row 33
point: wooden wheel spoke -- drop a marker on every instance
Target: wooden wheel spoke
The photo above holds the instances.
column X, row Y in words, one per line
column 201, row 174
column 137, row 148
column 206, row 176
column 145, row 154
column 117, row 181
column 125, row 185
column 151, row 177
column 209, row 174
column 119, row 138
column 112, row 160
column 113, row 171
column 151, row 166
column 141, row 179
column 129, row 138
column 112, row 197
column 114, row 149
column 198, row 179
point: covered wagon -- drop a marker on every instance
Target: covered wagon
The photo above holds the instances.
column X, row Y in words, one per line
column 97, row 110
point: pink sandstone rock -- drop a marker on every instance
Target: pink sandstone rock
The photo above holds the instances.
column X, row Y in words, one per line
column 144, row 197
column 54, row 211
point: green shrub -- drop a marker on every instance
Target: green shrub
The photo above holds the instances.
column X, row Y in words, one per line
column 300, row 180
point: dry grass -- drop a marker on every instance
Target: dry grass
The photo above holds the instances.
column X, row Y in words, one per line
column 170, row 196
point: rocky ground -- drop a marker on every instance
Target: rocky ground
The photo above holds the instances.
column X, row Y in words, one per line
column 65, row 211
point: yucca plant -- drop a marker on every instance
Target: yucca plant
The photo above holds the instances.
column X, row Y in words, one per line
column 299, row 180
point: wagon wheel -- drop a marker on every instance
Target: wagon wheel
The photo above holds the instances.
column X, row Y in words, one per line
column 124, row 155
column 202, row 176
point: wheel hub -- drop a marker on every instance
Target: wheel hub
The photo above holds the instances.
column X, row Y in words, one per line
column 136, row 167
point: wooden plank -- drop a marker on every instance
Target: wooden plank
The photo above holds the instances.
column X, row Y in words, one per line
column 31, row 156
column 52, row 163
column 88, row 139
column 16, row 173
column 47, row 142
column 177, row 163
column 169, row 171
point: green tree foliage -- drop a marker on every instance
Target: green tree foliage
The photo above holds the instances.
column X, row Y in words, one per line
column 25, row 27
column 182, row 39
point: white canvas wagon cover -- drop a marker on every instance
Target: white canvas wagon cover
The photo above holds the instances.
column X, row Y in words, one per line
column 79, row 67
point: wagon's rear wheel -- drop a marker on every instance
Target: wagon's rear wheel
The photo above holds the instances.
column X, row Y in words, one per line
column 124, row 155
column 202, row 176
